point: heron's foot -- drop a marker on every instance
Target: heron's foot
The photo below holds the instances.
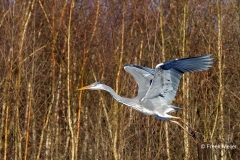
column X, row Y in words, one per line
column 193, row 134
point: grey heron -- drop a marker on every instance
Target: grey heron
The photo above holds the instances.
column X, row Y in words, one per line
column 157, row 87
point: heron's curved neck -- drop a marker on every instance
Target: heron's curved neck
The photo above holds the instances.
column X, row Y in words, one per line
column 124, row 100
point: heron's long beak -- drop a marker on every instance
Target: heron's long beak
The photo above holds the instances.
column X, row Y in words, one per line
column 83, row 88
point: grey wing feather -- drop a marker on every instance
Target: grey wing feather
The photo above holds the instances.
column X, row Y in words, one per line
column 167, row 76
column 142, row 75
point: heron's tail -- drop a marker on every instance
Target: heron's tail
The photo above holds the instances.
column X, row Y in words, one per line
column 174, row 108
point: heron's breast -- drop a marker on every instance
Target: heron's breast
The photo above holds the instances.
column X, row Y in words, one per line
column 147, row 111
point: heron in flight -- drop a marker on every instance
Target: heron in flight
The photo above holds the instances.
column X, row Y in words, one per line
column 157, row 87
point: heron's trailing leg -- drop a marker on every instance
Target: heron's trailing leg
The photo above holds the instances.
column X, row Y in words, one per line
column 176, row 122
column 192, row 134
column 193, row 130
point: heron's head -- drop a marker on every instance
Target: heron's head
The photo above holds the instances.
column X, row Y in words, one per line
column 93, row 86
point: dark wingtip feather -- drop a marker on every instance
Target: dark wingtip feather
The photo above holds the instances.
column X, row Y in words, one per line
column 189, row 64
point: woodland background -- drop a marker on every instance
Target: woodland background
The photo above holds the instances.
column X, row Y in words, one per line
column 50, row 48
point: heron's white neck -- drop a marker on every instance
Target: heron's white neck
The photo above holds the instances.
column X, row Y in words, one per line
column 127, row 101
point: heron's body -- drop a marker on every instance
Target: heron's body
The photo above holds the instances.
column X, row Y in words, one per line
column 150, row 107
column 157, row 87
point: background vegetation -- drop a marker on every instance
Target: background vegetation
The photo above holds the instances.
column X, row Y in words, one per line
column 50, row 48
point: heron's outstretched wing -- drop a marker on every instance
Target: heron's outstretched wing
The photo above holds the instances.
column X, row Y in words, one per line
column 167, row 76
column 142, row 75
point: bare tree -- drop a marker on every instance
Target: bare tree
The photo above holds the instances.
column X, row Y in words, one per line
column 49, row 49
